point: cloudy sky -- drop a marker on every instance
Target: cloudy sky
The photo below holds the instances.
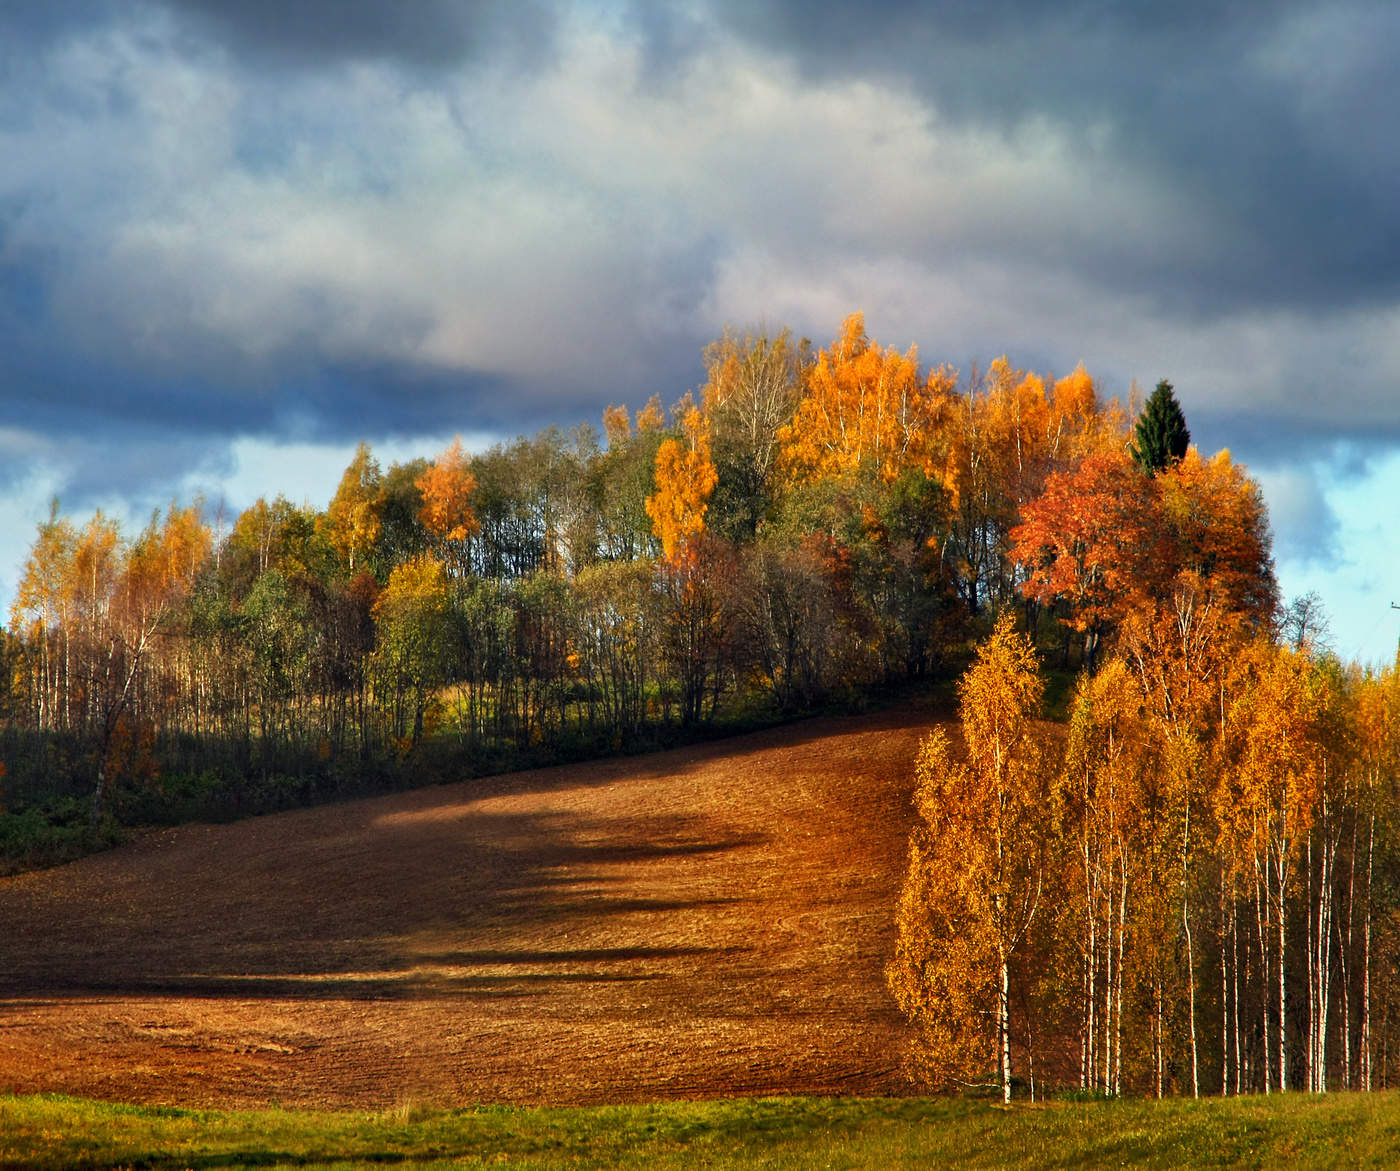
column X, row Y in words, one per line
column 238, row 236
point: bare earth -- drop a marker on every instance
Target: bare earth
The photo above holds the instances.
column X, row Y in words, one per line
column 709, row 921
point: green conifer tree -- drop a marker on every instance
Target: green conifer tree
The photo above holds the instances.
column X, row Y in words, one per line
column 1160, row 437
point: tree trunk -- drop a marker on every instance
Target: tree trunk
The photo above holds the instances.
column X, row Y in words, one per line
column 1190, row 952
column 1235, row 956
column 1224, row 990
column 1261, row 913
column 1345, row 958
column 1282, row 983
column 1365, row 1046
column 1313, row 912
column 1004, row 1029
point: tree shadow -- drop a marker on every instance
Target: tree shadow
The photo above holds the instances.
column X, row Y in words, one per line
column 375, row 911
column 680, row 761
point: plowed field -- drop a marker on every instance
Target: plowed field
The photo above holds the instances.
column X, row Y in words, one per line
column 708, row 921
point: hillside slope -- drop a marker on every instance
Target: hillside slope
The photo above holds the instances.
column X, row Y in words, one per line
column 711, row 920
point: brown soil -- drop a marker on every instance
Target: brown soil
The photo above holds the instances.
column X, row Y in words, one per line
column 708, row 921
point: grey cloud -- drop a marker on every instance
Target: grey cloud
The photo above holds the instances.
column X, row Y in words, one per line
column 1133, row 185
column 423, row 32
column 1269, row 122
column 276, row 35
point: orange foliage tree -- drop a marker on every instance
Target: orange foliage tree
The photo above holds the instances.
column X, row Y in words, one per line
column 863, row 404
column 685, row 478
column 1089, row 542
column 1219, row 530
column 1108, row 774
column 1269, row 792
column 446, row 486
column 977, row 867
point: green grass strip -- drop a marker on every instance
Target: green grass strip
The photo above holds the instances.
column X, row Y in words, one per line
column 1292, row 1131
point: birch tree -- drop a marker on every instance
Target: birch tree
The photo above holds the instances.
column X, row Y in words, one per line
column 978, row 864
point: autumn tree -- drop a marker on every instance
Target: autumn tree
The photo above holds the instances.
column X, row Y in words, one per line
column 1082, row 423
column 281, row 536
column 685, row 479
column 1375, row 723
column 142, row 585
column 1217, row 528
column 860, row 404
column 40, row 613
column 354, row 516
column 1000, row 440
column 1272, row 785
column 1108, row 769
column 1090, row 545
column 978, row 864
column 751, row 390
column 1176, row 648
column 446, row 487
column 412, row 643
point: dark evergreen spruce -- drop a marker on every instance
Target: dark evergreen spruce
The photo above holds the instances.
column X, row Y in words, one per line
column 1161, row 437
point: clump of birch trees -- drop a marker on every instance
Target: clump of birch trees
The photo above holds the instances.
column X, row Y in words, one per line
column 1198, row 872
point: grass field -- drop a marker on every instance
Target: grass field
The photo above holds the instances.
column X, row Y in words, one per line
column 1341, row 1130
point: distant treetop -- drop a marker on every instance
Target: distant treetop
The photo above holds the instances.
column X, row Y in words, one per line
column 1160, row 438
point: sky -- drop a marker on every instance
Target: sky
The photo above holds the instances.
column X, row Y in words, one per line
column 237, row 237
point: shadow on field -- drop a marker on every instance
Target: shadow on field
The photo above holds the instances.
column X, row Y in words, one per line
column 438, row 978
column 644, row 768
column 370, row 907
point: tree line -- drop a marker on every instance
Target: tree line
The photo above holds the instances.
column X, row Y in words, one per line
column 808, row 524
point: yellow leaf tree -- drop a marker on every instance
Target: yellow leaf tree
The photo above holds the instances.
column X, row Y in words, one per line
column 446, row 512
column 685, row 478
column 1108, row 761
column 977, row 865
column 865, row 405
column 1269, row 793
column 1218, row 527
column 353, row 517
column 412, row 643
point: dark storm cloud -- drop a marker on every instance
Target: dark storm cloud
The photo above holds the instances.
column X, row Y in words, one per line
column 430, row 33
column 420, row 32
column 1268, row 120
column 28, row 25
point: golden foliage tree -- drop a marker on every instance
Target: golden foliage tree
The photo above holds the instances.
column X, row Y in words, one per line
column 1270, row 791
column 1109, row 762
column 977, row 866
column 412, row 646
column 685, row 478
column 1218, row 529
column 862, row 404
column 353, row 518
column 446, row 487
